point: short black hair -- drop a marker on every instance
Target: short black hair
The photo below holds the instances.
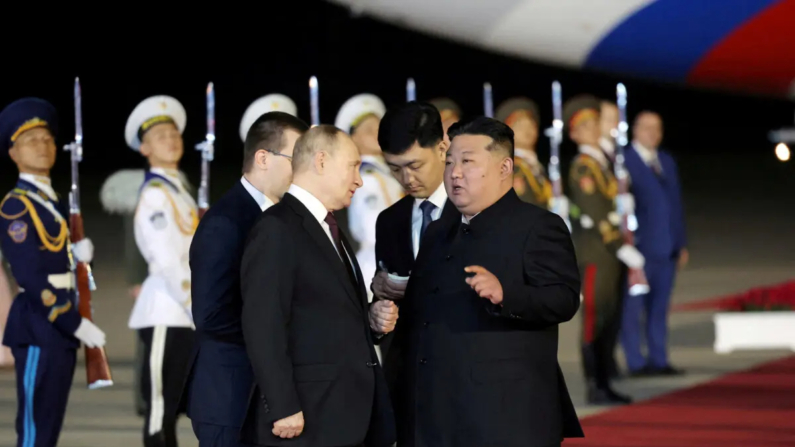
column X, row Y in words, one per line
column 267, row 133
column 500, row 133
column 409, row 123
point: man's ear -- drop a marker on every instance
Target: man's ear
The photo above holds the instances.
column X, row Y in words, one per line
column 13, row 153
column 442, row 148
column 145, row 149
column 506, row 167
column 261, row 159
column 321, row 160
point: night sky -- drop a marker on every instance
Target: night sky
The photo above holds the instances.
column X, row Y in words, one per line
column 122, row 62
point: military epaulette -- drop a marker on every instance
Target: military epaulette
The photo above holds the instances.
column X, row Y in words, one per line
column 49, row 242
column 586, row 166
column 8, row 210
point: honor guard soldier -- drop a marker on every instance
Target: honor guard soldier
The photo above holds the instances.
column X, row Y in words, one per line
column 360, row 116
column 119, row 196
column 608, row 123
column 530, row 178
column 599, row 244
column 165, row 220
column 44, row 327
column 450, row 113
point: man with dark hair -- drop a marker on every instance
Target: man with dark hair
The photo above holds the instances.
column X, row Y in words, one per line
column 492, row 281
column 219, row 383
column 411, row 138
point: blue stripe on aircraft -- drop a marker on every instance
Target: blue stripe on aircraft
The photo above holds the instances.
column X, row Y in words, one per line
column 667, row 38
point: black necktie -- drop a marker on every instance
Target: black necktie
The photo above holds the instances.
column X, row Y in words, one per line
column 335, row 234
column 427, row 208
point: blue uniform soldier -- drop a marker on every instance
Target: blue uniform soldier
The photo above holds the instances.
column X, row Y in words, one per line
column 44, row 327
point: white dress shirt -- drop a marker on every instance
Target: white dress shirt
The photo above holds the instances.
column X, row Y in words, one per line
column 43, row 183
column 318, row 210
column 438, row 198
column 649, row 156
column 595, row 153
column 262, row 200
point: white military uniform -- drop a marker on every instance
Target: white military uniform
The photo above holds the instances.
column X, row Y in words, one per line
column 274, row 102
column 379, row 189
column 165, row 220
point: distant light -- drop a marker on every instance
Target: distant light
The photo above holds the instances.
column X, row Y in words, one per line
column 782, row 152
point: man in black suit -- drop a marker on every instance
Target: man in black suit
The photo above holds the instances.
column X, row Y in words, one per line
column 308, row 330
column 412, row 140
column 491, row 283
column 219, row 380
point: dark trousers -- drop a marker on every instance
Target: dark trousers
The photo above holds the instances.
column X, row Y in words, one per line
column 44, row 378
column 166, row 355
column 601, row 290
column 654, row 305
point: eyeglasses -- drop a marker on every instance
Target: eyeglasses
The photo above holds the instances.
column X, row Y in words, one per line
column 279, row 154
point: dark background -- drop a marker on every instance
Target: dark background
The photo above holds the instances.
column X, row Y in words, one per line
column 719, row 138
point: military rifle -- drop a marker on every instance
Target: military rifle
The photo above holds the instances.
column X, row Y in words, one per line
column 411, row 90
column 207, row 148
column 638, row 284
column 555, row 134
column 314, row 104
column 97, row 367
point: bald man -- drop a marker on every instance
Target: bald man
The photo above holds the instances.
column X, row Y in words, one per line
column 661, row 238
column 308, row 328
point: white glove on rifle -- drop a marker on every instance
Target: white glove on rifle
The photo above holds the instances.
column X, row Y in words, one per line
column 90, row 334
column 83, row 250
column 560, row 206
column 630, row 256
column 625, row 203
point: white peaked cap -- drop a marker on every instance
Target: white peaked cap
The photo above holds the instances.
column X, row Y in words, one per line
column 149, row 109
column 275, row 102
column 356, row 107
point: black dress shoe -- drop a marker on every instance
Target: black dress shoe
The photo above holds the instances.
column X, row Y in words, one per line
column 606, row 396
column 642, row 372
column 666, row 371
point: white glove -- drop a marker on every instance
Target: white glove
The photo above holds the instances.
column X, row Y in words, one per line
column 560, row 206
column 83, row 250
column 625, row 203
column 90, row 334
column 630, row 256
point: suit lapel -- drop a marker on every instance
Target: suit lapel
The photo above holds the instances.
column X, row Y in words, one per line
column 359, row 280
column 312, row 226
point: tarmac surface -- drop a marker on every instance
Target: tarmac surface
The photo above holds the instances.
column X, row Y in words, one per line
column 739, row 215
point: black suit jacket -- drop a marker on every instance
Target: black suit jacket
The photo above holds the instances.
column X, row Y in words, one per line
column 308, row 337
column 476, row 374
column 219, row 378
column 394, row 247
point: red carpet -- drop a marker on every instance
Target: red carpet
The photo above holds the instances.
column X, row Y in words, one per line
column 754, row 408
column 764, row 298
